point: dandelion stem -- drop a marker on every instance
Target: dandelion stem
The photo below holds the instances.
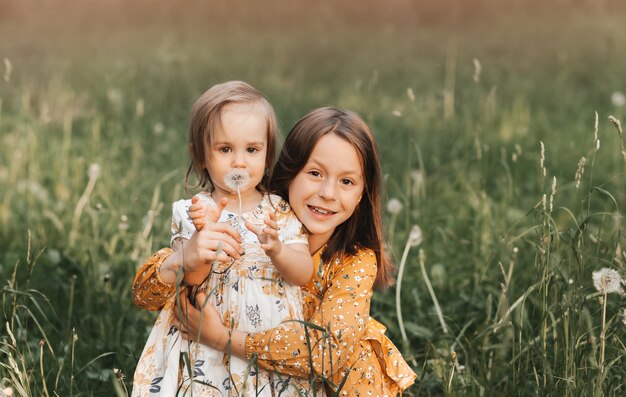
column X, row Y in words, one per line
column 405, row 254
column 432, row 293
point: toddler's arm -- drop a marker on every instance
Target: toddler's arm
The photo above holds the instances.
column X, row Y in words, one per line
column 292, row 261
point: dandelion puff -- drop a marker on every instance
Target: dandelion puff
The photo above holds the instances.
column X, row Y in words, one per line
column 608, row 281
column 394, row 206
column 618, row 99
column 580, row 170
column 415, row 236
column 236, row 179
column 94, row 170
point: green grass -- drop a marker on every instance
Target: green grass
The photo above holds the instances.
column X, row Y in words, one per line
column 513, row 279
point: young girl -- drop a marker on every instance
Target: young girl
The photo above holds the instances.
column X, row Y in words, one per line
column 259, row 252
column 329, row 170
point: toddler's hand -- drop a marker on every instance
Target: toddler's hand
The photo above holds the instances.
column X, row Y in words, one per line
column 267, row 235
column 201, row 214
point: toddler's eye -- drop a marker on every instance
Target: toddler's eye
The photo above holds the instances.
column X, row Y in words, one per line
column 252, row 149
column 224, row 149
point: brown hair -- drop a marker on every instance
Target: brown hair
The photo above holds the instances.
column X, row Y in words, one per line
column 205, row 118
column 364, row 227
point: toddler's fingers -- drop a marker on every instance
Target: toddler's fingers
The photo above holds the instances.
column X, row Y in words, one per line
column 254, row 229
column 271, row 223
column 271, row 233
column 224, row 228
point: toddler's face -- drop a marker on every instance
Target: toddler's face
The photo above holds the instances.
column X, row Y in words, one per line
column 327, row 190
column 239, row 145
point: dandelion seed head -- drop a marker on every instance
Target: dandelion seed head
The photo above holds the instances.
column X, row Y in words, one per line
column 236, row 179
column 415, row 236
column 94, row 170
column 618, row 99
column 394, row 206
column 608, row 281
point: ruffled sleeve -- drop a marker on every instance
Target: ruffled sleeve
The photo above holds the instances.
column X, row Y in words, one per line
column 182, row 226
column 290, row 229
column 149, row 291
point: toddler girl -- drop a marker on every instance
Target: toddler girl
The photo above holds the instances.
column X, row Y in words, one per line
column 260, row 253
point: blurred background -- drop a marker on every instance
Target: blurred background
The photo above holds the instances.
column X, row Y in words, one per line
column 493, row 124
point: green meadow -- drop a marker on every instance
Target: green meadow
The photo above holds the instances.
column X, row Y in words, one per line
column 494, row 131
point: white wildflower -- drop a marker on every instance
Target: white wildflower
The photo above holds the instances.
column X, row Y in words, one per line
column 607, row 281
column 415, row 236
column 397, row 113
column 236, row 179
column 94, row 170
column 158, row 128
column 8, row 392
column 394, row 206
column 618, row 99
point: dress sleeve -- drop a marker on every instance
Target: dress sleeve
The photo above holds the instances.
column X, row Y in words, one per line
column 182, row 226
column 333, row 332
column 149, row 291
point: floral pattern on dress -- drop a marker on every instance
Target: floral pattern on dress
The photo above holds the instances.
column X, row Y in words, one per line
column 348, row 347
column 250, row 295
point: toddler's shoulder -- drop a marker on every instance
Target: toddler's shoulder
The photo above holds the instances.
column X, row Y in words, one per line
column 279, row 204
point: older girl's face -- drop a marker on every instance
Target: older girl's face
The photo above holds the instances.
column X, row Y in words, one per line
column 327, row 190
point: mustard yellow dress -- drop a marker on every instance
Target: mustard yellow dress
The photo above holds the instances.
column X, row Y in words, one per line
column 249, row 294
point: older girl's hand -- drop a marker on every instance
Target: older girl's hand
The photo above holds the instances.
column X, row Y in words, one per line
column 202, row 325
column 214, row 241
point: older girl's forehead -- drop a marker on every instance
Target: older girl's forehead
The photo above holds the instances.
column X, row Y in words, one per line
column 334, row 153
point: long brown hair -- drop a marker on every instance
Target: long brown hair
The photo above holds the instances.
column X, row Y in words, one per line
column 205, row 118
column 364, row 227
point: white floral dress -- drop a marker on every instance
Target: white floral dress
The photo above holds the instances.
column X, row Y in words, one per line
column 250, row 295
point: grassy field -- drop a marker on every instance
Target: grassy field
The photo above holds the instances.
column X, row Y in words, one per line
column 483, row 113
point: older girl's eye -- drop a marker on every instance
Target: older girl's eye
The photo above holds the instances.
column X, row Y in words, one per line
column 347, row 181
column 314, row 173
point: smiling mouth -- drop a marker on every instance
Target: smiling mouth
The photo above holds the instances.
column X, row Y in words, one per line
column 320, row 211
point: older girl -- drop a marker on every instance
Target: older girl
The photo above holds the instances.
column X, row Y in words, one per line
column 329, row 170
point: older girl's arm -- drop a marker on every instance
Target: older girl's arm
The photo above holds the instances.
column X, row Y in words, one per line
column 332, row 334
